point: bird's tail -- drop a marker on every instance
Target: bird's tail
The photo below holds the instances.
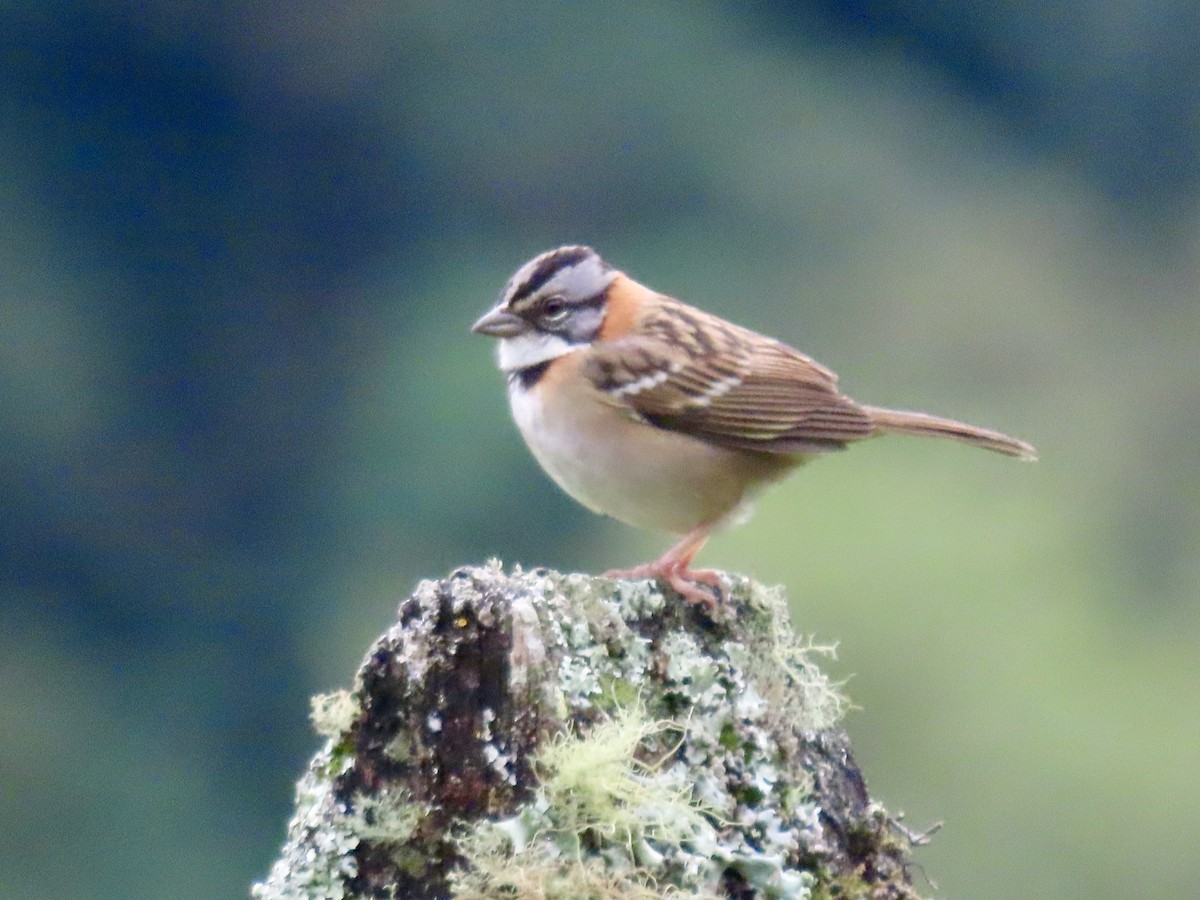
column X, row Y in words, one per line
column 897, row 421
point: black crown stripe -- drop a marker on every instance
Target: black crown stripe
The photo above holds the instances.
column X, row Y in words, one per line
column 548, row 268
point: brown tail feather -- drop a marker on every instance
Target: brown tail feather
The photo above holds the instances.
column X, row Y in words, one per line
column 900, row 422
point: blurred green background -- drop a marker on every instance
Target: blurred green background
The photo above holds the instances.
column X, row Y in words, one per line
column 242, row 413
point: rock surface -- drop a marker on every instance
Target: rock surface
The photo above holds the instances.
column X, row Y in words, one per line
column 537, row 735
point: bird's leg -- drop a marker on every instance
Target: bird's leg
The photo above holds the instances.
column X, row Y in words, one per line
column 672, row 567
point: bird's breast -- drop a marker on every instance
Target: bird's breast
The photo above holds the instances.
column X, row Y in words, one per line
column 617, row 465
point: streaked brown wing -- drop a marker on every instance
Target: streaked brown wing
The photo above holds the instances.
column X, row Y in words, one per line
column 691, row 372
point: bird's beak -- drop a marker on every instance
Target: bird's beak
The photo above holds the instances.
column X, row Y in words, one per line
column 500, row 323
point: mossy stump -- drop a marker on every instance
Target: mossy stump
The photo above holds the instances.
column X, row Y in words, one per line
column 537, row 735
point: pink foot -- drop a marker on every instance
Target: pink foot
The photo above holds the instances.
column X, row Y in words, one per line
column 672, row 568
column 692, row 584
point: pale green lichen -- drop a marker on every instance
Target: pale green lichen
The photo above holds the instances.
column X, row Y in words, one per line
column 600, row 825
column 318, row 860
column 600, row 787
column 788, row 676
column 389, row 816
column 332, row 714
column 606, row 822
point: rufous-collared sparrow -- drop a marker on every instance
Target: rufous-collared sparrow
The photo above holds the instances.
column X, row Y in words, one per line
column 664, row 416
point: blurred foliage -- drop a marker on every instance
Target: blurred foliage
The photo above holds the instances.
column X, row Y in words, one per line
column 242, row 413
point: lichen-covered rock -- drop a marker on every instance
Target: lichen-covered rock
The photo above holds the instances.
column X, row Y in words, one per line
column 537, row 735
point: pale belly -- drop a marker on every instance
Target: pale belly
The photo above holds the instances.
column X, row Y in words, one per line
column 632, row 471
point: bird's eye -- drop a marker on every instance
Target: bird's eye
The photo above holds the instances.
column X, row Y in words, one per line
column 554, row 309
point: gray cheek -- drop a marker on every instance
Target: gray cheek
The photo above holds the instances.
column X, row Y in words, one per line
column 584, row 325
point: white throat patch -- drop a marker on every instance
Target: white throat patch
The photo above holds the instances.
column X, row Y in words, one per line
column 530, row 349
